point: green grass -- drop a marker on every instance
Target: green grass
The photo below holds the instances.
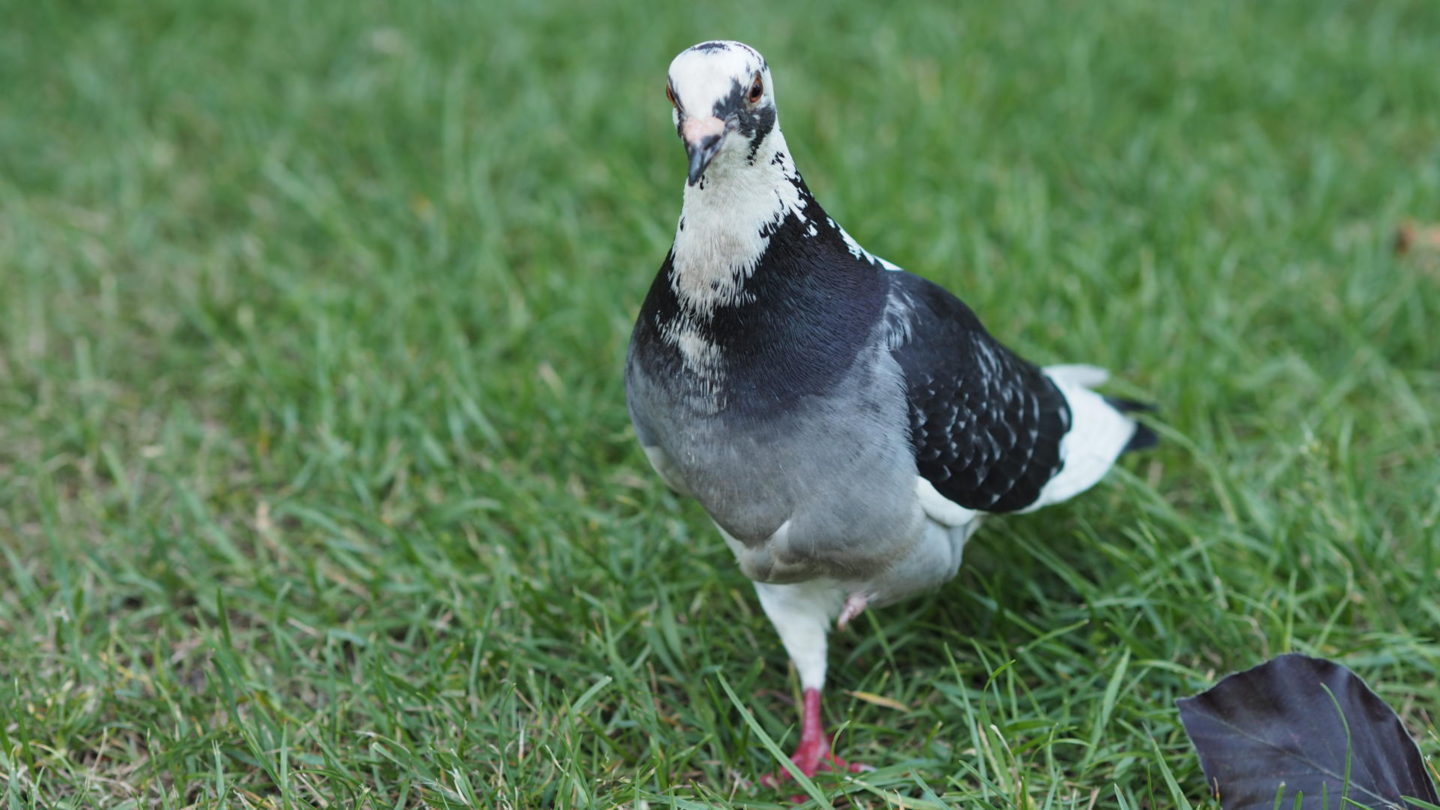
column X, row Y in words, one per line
column 317, row 486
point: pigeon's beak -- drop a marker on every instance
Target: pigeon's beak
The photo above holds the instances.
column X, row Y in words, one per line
column 702, row 137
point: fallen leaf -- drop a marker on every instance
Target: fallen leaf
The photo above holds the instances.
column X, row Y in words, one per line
column 1303, row 727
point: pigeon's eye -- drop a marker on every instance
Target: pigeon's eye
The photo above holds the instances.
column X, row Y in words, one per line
column 757, row 89
column 670, row 94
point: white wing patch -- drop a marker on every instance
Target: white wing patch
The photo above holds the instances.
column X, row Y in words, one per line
column 941, row 509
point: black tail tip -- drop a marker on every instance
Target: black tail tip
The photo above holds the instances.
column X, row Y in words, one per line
column 1131, row 405
column 1144, row 438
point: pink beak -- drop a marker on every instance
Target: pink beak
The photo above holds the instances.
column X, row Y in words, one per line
column 702, row 137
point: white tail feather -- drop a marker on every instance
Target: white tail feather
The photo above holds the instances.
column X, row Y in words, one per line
column 1098, row 434
column 1080, row 374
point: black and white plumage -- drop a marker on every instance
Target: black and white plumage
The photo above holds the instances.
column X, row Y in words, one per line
column 846, row 424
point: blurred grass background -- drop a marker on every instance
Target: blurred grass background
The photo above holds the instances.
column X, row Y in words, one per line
column 316, row 482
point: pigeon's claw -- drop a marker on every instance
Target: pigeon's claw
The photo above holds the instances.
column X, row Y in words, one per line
column 854, row 605
column 813, row 755
column 812, row 759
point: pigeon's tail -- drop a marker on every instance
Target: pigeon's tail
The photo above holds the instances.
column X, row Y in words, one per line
column 1101, row 429
column 1144, row 438
column 1089, row 376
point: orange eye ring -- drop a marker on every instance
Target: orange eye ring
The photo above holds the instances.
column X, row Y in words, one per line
column 757, row 89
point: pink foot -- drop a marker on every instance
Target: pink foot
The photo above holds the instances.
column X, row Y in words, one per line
column 854, row 606
column 813, row 754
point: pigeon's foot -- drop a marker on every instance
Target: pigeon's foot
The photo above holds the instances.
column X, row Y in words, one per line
column 854, row 605
column 812, row 760
column 813, row 754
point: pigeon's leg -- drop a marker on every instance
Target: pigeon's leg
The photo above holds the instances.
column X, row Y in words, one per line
column 801, row 614
column 854, row 606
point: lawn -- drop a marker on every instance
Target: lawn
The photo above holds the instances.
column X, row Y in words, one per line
column 317, row 487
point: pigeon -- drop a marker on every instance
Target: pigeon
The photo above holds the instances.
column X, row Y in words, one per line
column 847, row 425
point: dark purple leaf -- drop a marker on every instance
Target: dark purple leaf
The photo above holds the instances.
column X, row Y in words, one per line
column 1276, row 725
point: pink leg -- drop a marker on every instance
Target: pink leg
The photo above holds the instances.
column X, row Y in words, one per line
column 813, row 754
column 854, row 606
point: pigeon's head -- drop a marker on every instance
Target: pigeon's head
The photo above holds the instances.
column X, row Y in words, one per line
column 724, row 105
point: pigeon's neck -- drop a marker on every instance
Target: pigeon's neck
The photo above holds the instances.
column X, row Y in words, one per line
column 762, row 291
column 728, row 220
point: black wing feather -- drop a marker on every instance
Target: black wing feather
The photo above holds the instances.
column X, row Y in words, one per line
column 985, row 425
